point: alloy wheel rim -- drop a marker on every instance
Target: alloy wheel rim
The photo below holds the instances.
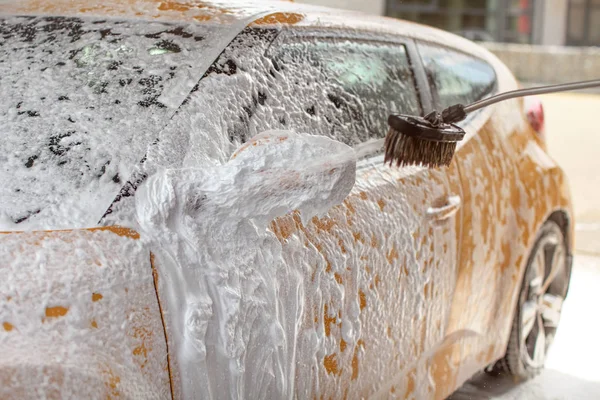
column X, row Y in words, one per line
column 540, row 312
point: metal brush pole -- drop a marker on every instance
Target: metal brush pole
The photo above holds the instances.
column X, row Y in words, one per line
column 458, row 112
column 531, row 92
column 431, row 140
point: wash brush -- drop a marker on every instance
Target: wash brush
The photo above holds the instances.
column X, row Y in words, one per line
column 431, row 140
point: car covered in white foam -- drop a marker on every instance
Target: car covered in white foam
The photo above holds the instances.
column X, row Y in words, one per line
column 194, row 204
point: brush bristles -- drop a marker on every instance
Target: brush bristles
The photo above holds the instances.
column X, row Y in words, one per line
column 405, row 150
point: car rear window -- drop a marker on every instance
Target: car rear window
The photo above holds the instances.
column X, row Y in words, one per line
column 82, row 98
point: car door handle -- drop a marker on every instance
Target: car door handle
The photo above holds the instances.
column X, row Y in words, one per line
column 446, row 211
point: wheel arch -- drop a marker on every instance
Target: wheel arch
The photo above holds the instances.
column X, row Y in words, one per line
column 562, row 219
column 565, row 222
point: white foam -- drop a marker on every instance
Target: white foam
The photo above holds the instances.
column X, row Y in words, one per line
column 233, row 328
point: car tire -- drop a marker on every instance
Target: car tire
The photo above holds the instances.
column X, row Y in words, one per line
column 543, row 290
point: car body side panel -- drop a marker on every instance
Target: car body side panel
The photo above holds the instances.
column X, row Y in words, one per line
column 442, row 363
column 540, row 189
column 80, row 317
column 486, row 216
column 510, row 188
column 378, row 277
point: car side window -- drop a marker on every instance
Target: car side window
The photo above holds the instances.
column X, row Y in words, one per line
column 341, row 88
column 455, row 77
column 264, row 81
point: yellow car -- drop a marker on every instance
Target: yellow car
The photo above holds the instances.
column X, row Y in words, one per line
column 194, row 205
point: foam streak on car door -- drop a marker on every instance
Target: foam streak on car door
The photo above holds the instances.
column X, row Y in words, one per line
column 474, row 301
column 457, row 77
column 378, row 279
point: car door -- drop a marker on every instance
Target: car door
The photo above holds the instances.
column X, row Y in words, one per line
column 379, row 270
column 364, row 301
column 482, row 294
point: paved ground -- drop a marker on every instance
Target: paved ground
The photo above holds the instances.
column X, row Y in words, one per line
column 573, row 367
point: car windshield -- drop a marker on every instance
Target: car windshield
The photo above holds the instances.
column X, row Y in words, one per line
column 82, row 99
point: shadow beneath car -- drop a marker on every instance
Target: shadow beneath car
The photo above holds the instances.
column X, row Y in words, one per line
column 483, row 386
column 550, row 384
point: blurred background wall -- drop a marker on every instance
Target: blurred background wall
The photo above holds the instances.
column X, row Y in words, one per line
column 541, row 22
column 376, row 7
column 541, row 41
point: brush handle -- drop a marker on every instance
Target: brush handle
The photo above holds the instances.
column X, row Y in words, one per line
column 530, row 92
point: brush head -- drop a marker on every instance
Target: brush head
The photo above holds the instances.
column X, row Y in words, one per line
column 417, row 141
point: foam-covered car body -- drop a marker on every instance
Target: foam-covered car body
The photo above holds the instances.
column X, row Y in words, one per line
column 232, row 280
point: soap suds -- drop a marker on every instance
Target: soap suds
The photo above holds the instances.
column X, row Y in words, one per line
column 362, row 292
column 83, row 315
column 85, row 99
column 235, row 304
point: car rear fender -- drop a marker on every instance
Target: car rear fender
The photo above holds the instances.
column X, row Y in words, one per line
column 543, row 194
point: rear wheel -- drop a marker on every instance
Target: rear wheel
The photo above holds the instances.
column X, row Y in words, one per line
column 539, row 306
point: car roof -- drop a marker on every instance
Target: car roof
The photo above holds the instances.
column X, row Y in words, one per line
column 251, row 12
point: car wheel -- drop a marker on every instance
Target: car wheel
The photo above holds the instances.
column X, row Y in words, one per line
column 543, row 291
